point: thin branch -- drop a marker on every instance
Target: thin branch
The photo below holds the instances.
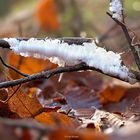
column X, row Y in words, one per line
column 47, row 74
column 69, row 40
column 126, row 33
column 134, row 44
column 13, row 68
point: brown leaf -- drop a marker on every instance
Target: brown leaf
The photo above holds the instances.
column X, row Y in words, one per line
column 112, row 93
column 6, row 112
column 27, row 65
column 4, row 109
column 81, row 97
column 122, row 103
column 55, row 119
column 3, row 94
column 23, row 105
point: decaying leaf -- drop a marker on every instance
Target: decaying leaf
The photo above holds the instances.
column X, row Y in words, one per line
column 107, row 120
column 23, row 105
column 3, row 94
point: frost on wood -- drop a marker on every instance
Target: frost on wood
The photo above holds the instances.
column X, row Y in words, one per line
column 116, row 7
column 61, row 53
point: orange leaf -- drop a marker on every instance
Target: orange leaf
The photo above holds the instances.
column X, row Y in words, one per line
column 54, row 119
column 23, row 105
column 47, row 15
column 113, row 93
column 28, row 65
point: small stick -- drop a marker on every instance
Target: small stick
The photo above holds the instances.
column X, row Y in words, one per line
column 13, row 68
column 129, row 40
column 134, row 44
column 47, row 74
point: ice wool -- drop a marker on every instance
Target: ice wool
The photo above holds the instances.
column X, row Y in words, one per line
column 62, row 53
column 116, row 7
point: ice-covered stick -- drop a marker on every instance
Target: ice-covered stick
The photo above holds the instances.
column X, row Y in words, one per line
column 71, row 52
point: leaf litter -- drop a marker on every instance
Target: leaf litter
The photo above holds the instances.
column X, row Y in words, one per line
column 83, row 105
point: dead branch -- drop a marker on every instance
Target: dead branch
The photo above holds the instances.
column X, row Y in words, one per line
column 129, row 39
column 69, row 40
column 47, row 74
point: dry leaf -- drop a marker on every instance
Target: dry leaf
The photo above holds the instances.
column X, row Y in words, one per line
column 81, row 97
column 112, row 93
column 23, row 105
column 56, row 119
column 107, row 120
column 27, row 65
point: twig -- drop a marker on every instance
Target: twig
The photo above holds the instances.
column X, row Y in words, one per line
column 69, row 40
column 126, row 33
column 47, row 74
column 134, row 44
column 13, row 68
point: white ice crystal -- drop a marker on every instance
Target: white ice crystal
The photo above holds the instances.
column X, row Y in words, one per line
column 116, row 7
column 61, row 52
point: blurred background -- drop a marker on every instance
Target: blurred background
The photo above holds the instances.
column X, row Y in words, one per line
column 68, row 18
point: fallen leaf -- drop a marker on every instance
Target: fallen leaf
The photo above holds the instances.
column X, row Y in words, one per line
column 55, row 119
column 3, row 94
column 107, row 119
column 27, row 65
column 6, row 112
column 112, row 93
column 81, row 97
column 23, row 105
